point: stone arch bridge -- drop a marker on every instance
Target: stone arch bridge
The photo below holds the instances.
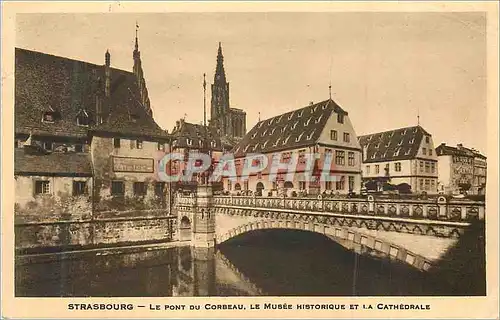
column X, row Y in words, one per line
column 416, row 232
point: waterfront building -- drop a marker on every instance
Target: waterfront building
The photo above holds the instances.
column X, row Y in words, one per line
column 322, row 128
column 85, row 137
column 461, row 170
column 400, row 156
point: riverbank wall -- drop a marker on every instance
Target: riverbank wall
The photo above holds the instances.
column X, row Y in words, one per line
column 104, row 229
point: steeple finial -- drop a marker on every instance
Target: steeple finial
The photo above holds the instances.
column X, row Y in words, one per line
column 107, row 58
column 136, row 37
column 259, row 116
column 330, row 90
column 204, row 101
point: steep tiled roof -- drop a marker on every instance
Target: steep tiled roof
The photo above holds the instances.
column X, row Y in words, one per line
column 45, row 83
column 444, row 150
column 194, row 133
column 295, row 129
column 52, row 164
column 398, row 144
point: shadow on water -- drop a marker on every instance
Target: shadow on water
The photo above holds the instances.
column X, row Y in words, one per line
column 286, row 262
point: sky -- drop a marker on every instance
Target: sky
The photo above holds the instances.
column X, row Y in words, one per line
column 384, row 68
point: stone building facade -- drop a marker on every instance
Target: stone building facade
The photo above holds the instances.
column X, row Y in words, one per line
column 404, row 155
column 87, row 144
column 461, row 170
column 321, row 128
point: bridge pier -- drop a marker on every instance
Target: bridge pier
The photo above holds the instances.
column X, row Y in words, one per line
column 203, row 234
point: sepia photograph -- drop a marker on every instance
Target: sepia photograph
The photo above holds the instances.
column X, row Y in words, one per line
column 250, row 154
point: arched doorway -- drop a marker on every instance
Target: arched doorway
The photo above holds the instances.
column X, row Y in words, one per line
column 259, row 188
column 237, row 187
column 185, row 229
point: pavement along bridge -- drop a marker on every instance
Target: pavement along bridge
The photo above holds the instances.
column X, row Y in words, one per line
column 416, row 232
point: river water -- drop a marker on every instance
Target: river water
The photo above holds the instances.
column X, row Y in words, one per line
column 273, row 262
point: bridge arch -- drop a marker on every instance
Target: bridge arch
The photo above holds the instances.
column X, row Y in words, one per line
column 350, row 239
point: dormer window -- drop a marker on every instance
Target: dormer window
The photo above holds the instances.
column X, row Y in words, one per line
column 400, row 142
column 286, row 140
column 319, row 119
column 279, row 119
column 271, row 121
column 396, row 153
column 189, row 142
column 300, row 113
column 283, row 129
column 291, row 115
column 272, row 131
column 254, row 135
column 294, row 125
column 276, row 143
column 82, row 118
column 264, row 133
column 299, row 137
column 265, row 144
column 309, row 137
column 314, row 109
column 307, row 122
column 49, row 117
column 412, row 141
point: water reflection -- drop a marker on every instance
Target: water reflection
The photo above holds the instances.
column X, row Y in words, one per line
column 273, row 262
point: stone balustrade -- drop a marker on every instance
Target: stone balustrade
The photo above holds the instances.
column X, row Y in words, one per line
column 434, row 209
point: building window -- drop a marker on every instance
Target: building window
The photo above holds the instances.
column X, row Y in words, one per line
column 245, row 185
column 340, row 118
column 347, row 137
column 139, row 188
column 302, row 185
column 421, row 166
column 116, row 142
column 42, row 187
column 117, row 188
column 229, row 186
column 340, row 157
column 350, row 159
column 78, row 148
column 427, row 167
column 160, row 146
column 339, row 184
column 351, row 183
column 48, row 145
column 427, row 184
column 159, row 187
column 397, row 167
column 368, row 169
column 138, row 144
column 424, row 151
column 377, row 169
column 433, row 184
column 421, row 182
column 433, row 167
column 430, row 152
column 333, row 135
column 427, row 139
column 328, row 185
column 79, row 188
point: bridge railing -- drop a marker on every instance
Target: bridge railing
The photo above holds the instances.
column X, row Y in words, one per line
column 437, row 209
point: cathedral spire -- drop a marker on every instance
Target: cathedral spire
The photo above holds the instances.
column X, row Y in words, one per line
column 220, row 74
column 139, row 74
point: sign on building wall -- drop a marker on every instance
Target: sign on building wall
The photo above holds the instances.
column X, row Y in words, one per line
column 125, row 164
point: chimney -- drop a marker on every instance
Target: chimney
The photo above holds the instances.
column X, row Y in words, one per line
column 460, row 146
column 311, row 103
column 107, row 72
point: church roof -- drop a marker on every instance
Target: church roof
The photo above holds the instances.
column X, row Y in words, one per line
column 397, row 144
column 291, row 130
column 48, row 83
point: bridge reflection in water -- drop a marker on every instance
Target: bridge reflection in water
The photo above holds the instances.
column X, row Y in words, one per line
column 264, row 262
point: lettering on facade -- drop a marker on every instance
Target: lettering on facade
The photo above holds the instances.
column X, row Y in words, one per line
column 125, row 164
